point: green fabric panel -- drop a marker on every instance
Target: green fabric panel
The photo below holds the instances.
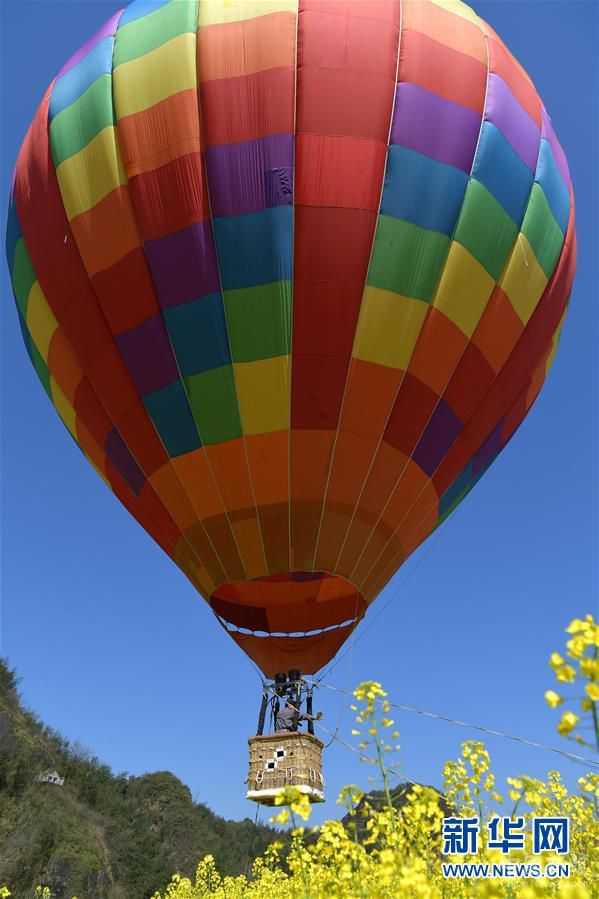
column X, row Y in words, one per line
column 142, row 35
column 74, row 127
column 259, row 321
column 23, row 276
column 485, row 228
column 40, row 367
column 542, row 231
column 407, row 259
column 213, row 402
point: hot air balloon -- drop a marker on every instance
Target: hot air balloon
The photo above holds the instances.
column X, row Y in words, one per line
column 292, row 273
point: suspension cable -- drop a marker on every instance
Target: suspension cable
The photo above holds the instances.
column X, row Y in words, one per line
column 571, row 756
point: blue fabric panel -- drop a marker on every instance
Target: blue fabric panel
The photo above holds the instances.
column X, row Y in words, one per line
column 169, row 410
column 550, row 179
column 503, row 173
column 198, row 333
column 76, row 81
column 461, row 484
column 140, row 8
column 422, row 191
column 255, row 249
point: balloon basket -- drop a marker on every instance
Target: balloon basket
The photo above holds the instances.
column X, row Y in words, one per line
column 283, row 760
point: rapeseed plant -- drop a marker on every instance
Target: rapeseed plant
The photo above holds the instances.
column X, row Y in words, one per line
column 400, row 855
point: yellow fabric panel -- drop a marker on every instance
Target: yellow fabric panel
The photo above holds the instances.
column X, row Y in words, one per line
column 64, row 408
column 40, row 320
column 523, row 280
column 248, row 538
column 464, row 290
column 388, row 327
column 149, row 79
column 459, row 9
column 91, row 174
column 216, row 12
column 263, row 394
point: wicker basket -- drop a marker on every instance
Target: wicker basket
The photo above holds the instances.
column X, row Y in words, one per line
column 282, row 760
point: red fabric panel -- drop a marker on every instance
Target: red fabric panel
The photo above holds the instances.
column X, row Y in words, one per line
column 413, row 408
column 502, row 63
column 441, row 70
column 126, row 293
column 161, row 209
column 469, row 383
column 70, row 296
column 91, row 413
column 256, row 105
column 307, row 654
column 325, row 168
column 332, row 248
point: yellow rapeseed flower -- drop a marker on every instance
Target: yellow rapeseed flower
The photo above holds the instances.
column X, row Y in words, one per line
column 567, row 723
column 592, row 691
column 553, row 699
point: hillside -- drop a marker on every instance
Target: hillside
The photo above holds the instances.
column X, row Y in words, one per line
column 99, row 836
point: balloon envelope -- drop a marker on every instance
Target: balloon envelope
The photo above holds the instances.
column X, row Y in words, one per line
column 292, row 275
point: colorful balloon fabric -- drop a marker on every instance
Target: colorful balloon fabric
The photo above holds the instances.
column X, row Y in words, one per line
column 292, row 274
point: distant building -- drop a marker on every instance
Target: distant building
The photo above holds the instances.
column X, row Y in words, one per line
column 50, row 777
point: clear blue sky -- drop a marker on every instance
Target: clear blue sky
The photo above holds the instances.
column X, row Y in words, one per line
column 114, row 648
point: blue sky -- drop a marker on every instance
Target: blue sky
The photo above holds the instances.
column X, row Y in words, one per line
column 115, row 649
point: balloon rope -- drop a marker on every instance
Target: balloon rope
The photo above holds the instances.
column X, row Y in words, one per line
column 571, row 756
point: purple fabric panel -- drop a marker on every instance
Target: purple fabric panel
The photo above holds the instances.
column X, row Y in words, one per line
column 437, row 128
column 106, row 30
column 244, row 177
column 549, row 134
column 505, row 112
column 123, row 461
column 440, row 433
column 487, row 452
column 183, row 265
column 147, row 353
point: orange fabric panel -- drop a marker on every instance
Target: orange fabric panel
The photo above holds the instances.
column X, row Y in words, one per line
column 228, row 461
column 233, row 49
column 100, row 243
column 169, row 489
column 200, row 542
column 387, row 467
column 308, row 654
column 64, row 366
column 369, row 387
column 498, row 330
column 438, row 351
column 193, row 470
column 160, row 134
column 248, row 535
column 268, row 456
column 218, row 530
column 310, row 455
column 275, row 522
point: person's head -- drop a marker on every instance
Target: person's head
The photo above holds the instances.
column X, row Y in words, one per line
column 290, row 701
